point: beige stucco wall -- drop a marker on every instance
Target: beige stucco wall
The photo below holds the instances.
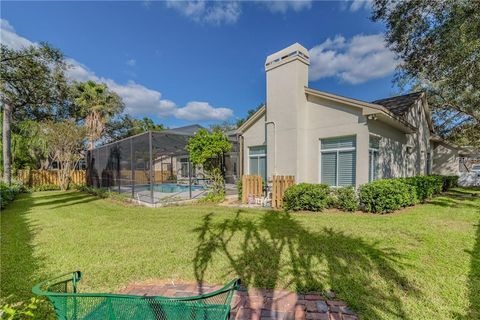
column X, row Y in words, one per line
column 393, row 158
column 253, row 136
column 445, row 159
column 327, row 119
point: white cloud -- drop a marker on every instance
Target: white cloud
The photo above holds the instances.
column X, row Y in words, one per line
column 212, row 12
column 228, row 12
column 284, row 6
column 195, row 111
column 9, row 38
column 360, row 4
column 139, row 100
column 131, row 62
column 362, row 58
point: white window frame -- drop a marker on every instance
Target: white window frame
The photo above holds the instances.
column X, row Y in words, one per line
column 258, row 156
column 337, row 151
column 371, row 165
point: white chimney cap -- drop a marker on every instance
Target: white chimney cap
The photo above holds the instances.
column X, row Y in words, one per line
column 295, row 51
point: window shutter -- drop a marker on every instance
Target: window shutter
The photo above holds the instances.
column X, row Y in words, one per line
column 346, row 168
column 329, row 168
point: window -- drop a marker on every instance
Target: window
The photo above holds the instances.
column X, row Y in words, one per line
column 338, row 161
column 429, row 162
column 184, row 168
column 374, row 145
column 257, row 161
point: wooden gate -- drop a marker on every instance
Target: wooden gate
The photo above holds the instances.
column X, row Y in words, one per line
column 251, row 185
column 280, row 184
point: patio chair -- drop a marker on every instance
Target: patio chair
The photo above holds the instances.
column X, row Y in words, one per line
column 70, row 304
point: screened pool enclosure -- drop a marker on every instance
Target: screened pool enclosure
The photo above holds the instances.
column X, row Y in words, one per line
column 152, row 167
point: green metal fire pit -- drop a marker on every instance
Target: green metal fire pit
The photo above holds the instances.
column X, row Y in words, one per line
column 70, row 304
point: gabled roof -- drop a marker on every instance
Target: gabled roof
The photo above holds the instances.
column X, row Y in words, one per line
column 187, row 130
column 400, row 105
column 257, row 115
column 368, row 108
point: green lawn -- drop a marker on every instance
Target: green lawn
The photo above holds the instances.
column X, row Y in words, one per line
column 421, row 263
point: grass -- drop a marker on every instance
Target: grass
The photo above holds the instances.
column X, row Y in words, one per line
column 420, row 263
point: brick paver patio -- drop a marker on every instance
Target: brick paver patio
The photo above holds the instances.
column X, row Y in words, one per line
column 253, row 303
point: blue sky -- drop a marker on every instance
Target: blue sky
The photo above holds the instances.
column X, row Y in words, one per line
column 203, row 62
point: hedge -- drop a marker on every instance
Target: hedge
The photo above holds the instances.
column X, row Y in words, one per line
column 387, row 195
column 425, row 186
column 9, row 192
column 306, row 196
column 344, row 199
column 379, row 196
column 390, row 194
column 449, row 182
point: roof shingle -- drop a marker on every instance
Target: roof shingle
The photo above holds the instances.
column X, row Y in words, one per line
column 399, row 105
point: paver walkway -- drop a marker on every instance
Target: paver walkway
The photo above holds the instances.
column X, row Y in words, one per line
column 261, row 304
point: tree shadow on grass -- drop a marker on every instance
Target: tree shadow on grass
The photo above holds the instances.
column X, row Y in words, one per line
column 20, row 269
column 276, row 250
column 19, row 265
column 59, row 200
column 456, row 198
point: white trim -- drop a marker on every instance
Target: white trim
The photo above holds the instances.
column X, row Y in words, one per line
column 257, row 156
column 337, row 152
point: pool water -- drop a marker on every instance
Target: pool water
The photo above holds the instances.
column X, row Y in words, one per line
column 173, row 188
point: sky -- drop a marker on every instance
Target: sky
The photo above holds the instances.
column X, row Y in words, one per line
column 184, row 62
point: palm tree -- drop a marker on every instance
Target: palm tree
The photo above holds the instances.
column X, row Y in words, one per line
column 97, row 105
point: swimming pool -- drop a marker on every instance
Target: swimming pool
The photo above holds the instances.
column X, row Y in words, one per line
column 174, row 188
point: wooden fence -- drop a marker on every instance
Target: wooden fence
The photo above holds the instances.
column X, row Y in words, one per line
column 280, row 184
column 251, row 186
column 143, row 176
column 34, row 178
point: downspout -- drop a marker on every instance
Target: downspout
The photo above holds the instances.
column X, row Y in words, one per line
column 241, row 143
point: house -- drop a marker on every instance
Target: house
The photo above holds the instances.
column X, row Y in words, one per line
column 320, row 137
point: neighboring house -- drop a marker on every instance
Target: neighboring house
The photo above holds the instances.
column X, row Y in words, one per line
column 320, row 137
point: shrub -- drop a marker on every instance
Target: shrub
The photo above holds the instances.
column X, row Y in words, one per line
column 387, row 195
column 305, row 196
column 21, row 310
column 99, row 192
column 213, row 197
column 425, row 186
column 9, row 192
column 344, row 199
column 45, row 187
column 449, row 182
column 239, row 188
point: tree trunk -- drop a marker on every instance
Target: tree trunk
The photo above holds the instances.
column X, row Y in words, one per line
column 7, row 143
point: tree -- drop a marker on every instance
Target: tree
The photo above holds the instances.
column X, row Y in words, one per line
column 207, row 149
column 31, row 80
column 65, row 145
column 438, row 43
column 97, row 104
column 225, row 126
column 250, row 113
column 127, row 126
column 29, row 148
